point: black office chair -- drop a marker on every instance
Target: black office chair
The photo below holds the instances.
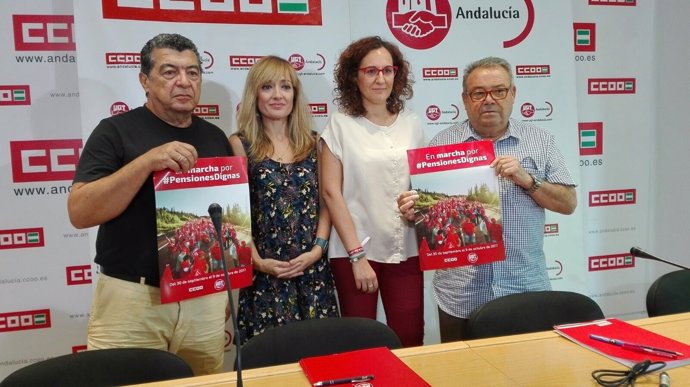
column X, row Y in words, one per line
column 530, row 312
column 669, row 294
column 102, row 367
column 314, row 337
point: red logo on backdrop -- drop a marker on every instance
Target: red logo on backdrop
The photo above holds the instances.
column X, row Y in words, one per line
column 24, row 320
column 550, row 229
column 612, row 197
column 611, row 86
column 15, row 95
column 44, row 160
column 611, row 262
column 277, row 12
column 79, row 348
column 78, row 275
column 585, row 37
column 488, row 14
column 207, row 60
column 532, row 70
column 21, row 238
column 527, row 110
column 420, row 24
column 122, row 58
column 244, row 61
column 629, row 3
column 118, row 108
column 439, row 72
column 43, row 32
column 207, row 111
column 297, row 61
column 318, row 108
column 433, row 112
column 591, row 138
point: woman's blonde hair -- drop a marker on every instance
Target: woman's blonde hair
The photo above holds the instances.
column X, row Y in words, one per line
column 249, row 123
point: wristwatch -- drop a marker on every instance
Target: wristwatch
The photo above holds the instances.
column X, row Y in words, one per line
column 321, row 243
column 536, row 184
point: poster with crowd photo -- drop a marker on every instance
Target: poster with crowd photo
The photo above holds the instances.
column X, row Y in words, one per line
column 190, row 253
column 458, row 220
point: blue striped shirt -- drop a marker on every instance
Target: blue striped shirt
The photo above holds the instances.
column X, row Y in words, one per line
column 458, row 291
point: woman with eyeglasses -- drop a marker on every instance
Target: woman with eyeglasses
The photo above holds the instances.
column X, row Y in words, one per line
column 364, row 162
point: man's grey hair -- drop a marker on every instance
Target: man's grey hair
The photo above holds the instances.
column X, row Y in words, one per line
column 488, row 62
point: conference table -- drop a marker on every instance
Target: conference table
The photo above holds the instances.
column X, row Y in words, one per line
column 534, row 359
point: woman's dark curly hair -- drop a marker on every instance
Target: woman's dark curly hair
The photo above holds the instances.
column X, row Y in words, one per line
column 347, row 95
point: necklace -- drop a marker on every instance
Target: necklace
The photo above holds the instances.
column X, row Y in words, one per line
column 285, row 156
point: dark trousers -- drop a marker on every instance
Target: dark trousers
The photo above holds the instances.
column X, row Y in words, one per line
column 452, row 328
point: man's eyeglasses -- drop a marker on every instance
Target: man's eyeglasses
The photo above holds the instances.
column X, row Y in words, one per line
column 480, row 95
column 373, row 71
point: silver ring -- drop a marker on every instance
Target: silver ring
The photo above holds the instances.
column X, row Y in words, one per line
column 371, row 285
column 179, row 159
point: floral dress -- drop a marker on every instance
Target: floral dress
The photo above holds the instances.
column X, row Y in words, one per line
column 285, row 209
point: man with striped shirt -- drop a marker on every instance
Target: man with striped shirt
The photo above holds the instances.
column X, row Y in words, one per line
column 533, row 177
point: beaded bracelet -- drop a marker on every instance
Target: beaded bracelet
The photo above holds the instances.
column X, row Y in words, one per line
column 356, row 250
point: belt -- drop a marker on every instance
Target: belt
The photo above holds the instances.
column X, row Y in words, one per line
column 131, row 278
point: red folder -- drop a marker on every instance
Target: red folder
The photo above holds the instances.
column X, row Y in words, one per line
column 388, row 370
column 620, row 330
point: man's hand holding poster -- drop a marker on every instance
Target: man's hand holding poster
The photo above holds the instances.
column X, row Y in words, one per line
column 458, row 214
column 189, row 250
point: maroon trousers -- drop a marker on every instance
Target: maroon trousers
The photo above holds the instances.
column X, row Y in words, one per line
column 402, row 294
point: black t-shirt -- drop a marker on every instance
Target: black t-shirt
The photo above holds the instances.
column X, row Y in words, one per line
column 127, row 244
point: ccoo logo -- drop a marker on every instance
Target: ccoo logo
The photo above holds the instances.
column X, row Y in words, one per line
column 628, row 3
column 44, row 160
column 532, row 71
column 611, row 86
column 243, row 61
column 318, row 109
column 44, row 32
column 24, row 320
column 591, row 138
column 585, row 37
column 15, row 95
column 21, row 238
column 78, row 275
column 611, row 262
column 612, row 197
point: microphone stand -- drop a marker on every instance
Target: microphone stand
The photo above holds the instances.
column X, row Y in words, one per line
column 638, row 252
column 215, row 212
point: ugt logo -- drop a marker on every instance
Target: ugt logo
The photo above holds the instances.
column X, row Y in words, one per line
column 420, row 24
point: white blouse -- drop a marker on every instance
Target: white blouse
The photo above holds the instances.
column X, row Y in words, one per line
column 375, row 172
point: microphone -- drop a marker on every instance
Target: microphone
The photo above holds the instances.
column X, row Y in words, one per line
column 638, row 252
column 216, row 214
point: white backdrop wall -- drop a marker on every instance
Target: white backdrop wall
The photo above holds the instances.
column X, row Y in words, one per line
column 599, row 74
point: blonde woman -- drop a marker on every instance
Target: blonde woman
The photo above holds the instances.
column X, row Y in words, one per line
column 290, row 227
